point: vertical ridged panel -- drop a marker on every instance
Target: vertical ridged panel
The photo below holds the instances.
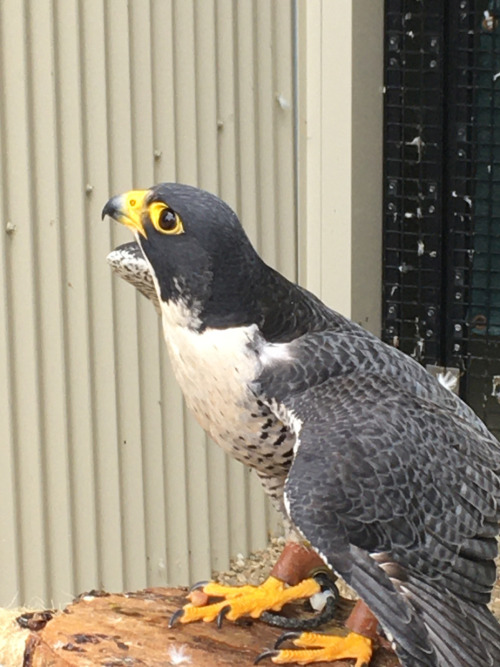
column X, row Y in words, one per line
column 70, row 143
column 49, row 308
column 10, row 541
column 23, row 355
column 106, row 480
column 96, row 489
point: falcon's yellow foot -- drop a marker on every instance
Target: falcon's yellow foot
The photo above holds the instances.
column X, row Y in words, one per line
column 239, row 601
column 316, row 647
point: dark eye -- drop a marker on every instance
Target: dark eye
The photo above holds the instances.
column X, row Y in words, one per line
column 168, row 220
column 164, row 220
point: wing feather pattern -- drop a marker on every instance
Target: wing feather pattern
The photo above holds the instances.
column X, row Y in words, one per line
column 401, row 496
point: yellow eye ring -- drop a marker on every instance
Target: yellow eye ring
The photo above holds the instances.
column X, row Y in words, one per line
column 164, row 219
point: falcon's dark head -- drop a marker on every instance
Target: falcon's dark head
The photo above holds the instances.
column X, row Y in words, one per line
column 196, row 248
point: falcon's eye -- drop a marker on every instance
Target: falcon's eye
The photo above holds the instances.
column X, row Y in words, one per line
column 164, row 219
column 167, row 220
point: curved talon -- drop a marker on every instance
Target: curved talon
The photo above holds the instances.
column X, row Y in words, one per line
column 175, row 617
column 265, row 654
column 222, row 614
column 327, row 583
column 326, row 614
column 198, row 585
column 285, row 637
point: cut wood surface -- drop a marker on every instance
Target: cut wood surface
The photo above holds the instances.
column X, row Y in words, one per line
column 131, row 629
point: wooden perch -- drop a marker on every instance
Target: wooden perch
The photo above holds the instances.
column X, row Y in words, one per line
column 132, row 630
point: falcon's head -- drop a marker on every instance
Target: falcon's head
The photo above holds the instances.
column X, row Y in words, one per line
column 196, row 250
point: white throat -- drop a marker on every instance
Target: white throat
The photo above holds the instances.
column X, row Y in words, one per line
column 214, row 368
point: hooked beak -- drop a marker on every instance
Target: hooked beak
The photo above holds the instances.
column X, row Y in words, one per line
column 127, row 209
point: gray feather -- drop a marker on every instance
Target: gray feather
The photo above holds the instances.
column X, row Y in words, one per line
column 381, row 468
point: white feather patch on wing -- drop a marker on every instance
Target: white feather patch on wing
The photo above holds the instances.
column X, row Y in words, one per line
column 272, row 353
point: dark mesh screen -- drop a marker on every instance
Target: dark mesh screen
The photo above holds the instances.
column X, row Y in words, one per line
column 442, row 190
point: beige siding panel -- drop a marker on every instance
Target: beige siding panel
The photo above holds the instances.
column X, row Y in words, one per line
column 106, row 480
column 20, row 267
column 367, row 151
column 49, row 301
column 10, row 516
column 340, row 153
column 76, row 271
column 94, row 451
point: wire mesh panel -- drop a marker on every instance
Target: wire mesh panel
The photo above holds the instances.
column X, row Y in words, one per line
column 442, row 204
column 482, row 317
column 413, row 171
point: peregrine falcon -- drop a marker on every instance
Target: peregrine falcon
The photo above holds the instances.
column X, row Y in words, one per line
column 379, row 471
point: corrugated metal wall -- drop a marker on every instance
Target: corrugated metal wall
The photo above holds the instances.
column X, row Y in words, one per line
column 105, row 481
column 340, row 122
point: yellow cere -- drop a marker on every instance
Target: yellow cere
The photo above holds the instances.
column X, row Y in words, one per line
column 132, row 208
column 134, row 201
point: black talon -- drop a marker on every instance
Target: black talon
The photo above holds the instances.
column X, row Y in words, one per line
column 324, row 616
column 265, row 654
column 285, row 637
column 326, row 582
column 198, row 585
column 222, row 614
column 175, row 617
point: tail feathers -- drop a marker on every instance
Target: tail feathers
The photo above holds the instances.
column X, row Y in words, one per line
column 401, row 622
column 464, row 634
column 429, row 626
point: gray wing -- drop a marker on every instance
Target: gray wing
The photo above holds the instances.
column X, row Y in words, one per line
column 401, row 496
column 128, row 262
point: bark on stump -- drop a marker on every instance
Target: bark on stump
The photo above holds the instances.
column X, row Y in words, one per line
column 131, row 630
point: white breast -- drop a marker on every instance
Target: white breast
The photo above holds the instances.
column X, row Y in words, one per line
column 213, row 369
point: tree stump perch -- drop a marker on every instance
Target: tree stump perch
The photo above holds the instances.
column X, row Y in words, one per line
column 129, row 630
